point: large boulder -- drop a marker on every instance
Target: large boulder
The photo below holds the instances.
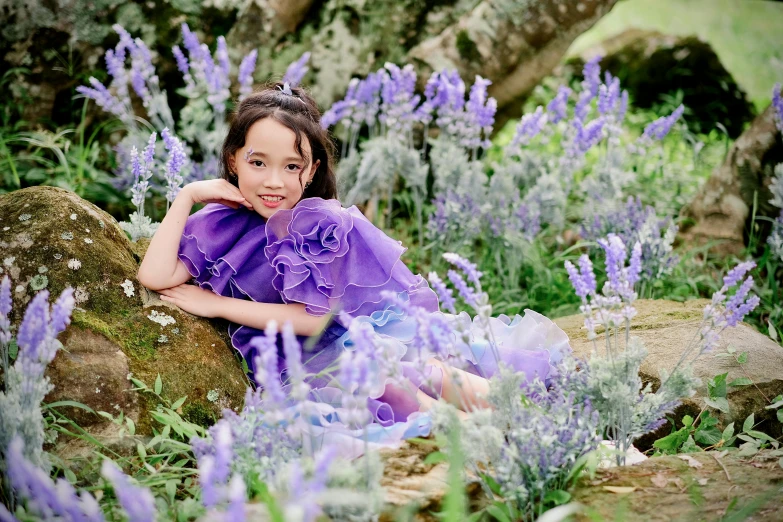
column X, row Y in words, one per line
column 51, row 238
column 666, row 328
column 654, row 67
column 701, row 486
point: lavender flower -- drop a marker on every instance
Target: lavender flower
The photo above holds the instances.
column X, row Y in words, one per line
column 297, row 70
column 529, row 126
column 174, row 164
column 587, row 136
column 464, row 291
column 137, row 501
column 777, row 103
column 558, row 107
column 469, row 269
column 658, row 129
column 295, row 371
column 398, row 100
column 245, row 77
column 592, row 74
column 43, row 498
column 267, row 373
column 445, row 294
column 5, row 323
column 609, row 95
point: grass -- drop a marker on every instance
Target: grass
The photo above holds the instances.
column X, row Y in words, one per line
column 744, row 33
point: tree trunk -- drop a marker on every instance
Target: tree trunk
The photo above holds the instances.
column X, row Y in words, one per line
column 722, row 208
column 514, row 44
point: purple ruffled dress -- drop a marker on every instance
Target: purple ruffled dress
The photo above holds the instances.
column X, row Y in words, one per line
column 333, row 259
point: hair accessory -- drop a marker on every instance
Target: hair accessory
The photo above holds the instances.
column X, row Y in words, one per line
column 249, row 152
column 286, row 89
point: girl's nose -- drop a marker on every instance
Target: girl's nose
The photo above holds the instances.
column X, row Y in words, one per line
column 274, row 180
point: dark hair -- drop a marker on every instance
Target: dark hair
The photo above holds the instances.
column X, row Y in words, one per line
column 297, row 111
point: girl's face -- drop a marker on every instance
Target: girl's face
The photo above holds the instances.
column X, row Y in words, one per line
column 270, row 172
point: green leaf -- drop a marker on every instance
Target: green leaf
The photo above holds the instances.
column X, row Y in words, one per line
column 760, row 435
column 131, row 425
column 72, row 404
column 728, row 432
column 107, row 415
column 717, row 386
column 558, row 497
column 70, row 476
column 742, row 358
column 742, row 381
column 773, row 334
column 171, row 488
column 731, row 349
column 748, row 424
column 138, row 384
column 245, row 368
column 687, row 421
column 179, row 402
column 689, row 446
column 672, row 441
column 498, row 512
column 748, row 449
column 774, row 405
column 779, row 414
column 142, row 450
column 491, row 483
column 719, row 403
column 158, row 385
column 13, row 350
column 707, row 435
column 435, row 457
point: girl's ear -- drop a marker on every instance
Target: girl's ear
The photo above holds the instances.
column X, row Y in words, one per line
column 313, row 170
column 232, row 163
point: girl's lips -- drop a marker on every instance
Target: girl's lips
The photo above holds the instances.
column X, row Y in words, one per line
column 271, row 204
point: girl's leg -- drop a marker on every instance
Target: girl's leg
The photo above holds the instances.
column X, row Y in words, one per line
column 464, row 390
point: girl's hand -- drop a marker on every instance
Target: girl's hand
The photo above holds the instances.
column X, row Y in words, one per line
column 193, row 299
column 215, row 191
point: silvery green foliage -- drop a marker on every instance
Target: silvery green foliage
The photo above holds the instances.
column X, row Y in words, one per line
column 139, row 226
column 26, row 384
column 354, row 489
column 452, row 169
column 605, row 188
column 624, row 405
column 530, row 440
column 383, row 160
column 549, row 198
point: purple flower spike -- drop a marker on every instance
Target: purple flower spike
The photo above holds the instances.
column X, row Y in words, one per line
column 467, row 294
column 246, row 70
column 529, row 126
column 267, row 368
column 468, row 268
column 445, row 294
column 558, row 107
column 182, row 61
column 137, row 501
column 297, row 70
column 592, row 74
column 658, row 129
column 5, row 309
column 777, row 103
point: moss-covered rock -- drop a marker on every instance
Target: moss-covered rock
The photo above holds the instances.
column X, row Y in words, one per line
column 51, row 232
column 667, row 327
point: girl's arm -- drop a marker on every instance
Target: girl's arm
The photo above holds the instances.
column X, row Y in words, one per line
column 161, row 267
column 205, row 303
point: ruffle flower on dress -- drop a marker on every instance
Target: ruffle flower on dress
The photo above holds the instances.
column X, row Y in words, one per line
column 333, row 259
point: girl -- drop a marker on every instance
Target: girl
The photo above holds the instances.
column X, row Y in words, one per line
column 274, row 244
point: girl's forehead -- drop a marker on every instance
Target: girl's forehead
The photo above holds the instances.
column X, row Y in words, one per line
column 270, row 137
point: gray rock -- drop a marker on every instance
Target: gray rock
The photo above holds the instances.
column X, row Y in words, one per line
column 666, row 327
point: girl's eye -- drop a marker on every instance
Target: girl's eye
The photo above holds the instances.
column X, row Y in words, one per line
column 293, row 167
column 257, row 163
